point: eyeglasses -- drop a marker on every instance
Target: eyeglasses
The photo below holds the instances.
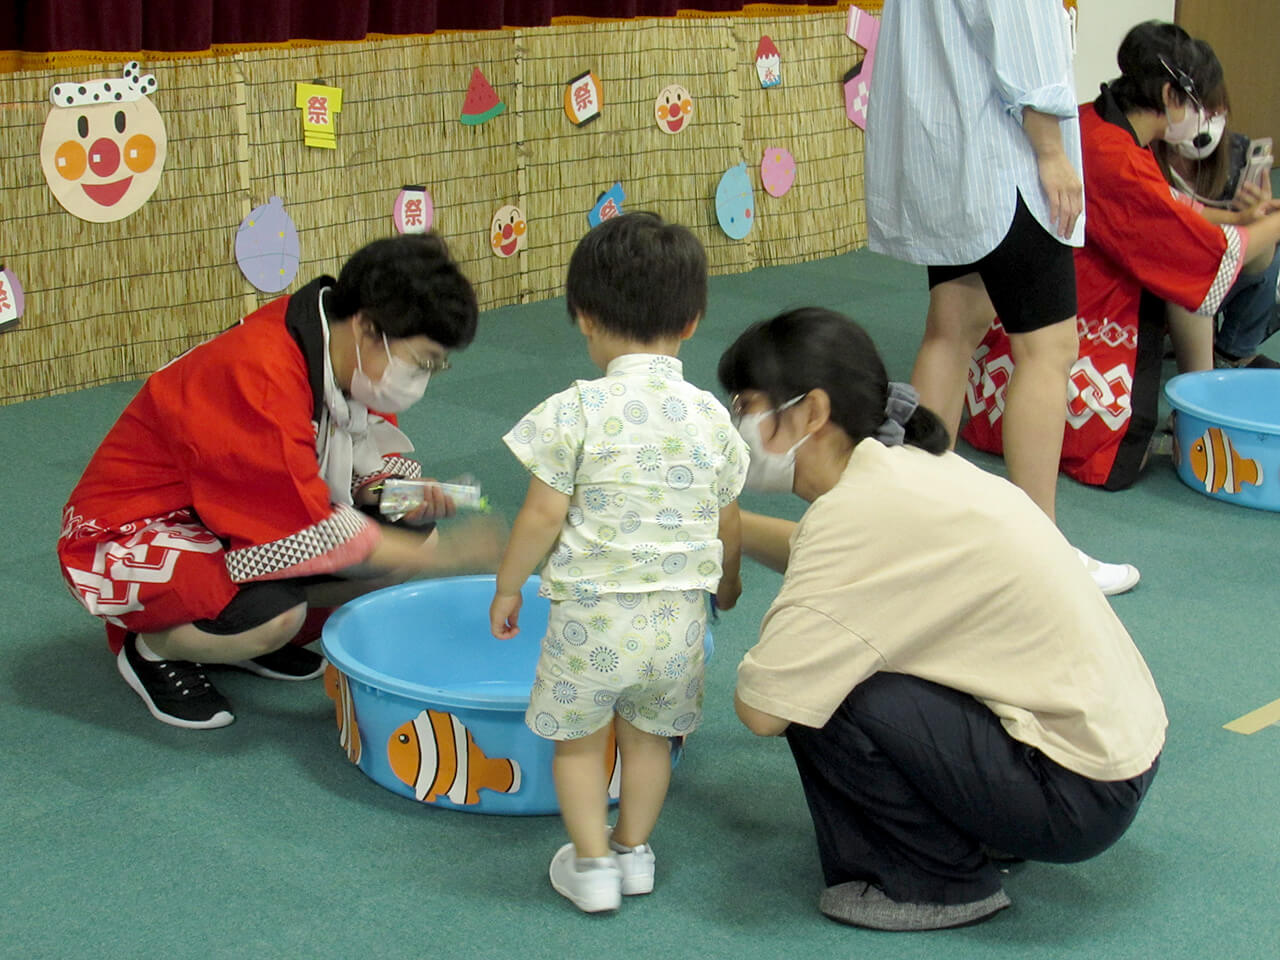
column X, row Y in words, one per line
column 431, row 364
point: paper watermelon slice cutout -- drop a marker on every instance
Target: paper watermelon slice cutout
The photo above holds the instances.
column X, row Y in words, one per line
column 482, row 103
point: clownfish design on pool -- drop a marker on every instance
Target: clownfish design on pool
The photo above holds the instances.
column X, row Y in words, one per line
column 339, row 691
column 436, row 755
column 1217, row 465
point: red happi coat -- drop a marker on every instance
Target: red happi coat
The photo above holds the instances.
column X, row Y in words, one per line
column 1143, row 246
column 209, row 479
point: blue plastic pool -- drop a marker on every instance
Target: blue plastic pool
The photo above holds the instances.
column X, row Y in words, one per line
column 1227, row 434
column 431, row 706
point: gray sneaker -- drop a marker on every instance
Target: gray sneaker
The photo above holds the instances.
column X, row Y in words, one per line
column 862, row 904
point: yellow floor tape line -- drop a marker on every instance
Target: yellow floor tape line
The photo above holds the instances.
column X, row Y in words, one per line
column 1255, row 721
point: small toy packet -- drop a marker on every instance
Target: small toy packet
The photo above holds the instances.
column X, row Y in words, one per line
column 401, row 496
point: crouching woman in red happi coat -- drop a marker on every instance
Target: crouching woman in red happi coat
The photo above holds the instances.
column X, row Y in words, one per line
column 240, row 486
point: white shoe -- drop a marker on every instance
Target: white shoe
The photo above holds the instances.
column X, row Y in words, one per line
column 597, row 886
column 1111, row 578
column 637, row 867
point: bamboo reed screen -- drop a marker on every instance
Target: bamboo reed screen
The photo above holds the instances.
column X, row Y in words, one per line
column 113, row 301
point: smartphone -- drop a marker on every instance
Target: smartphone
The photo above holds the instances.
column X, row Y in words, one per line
column 1258, row 169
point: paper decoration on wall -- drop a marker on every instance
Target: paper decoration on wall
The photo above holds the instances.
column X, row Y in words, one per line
column 582, row 100
column 673, row 109
column 267, row 247
column 104, row 145
column 768, row 63
column 608, row 206
column 864, row 30
column 777, row 171
column 735, row 203
column 482, row 103
column 414, row 211
column 12, row 301
column 508, row 233
column 320, row 106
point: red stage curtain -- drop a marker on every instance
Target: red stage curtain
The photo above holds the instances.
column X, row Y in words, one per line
column 186, row 25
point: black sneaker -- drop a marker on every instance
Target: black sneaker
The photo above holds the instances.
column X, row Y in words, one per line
column 175, row 691
column 290, row 662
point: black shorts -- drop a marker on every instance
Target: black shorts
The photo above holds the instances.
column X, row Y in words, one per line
column 257, row 603
column 1030, row 277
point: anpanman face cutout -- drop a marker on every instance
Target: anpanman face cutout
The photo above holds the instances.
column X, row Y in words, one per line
column 508, row 231
column 104, row 146
column 673, row 109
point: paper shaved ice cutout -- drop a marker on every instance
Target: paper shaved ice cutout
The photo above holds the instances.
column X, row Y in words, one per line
column 12, row 300
column 768, row 63
column 413, row 211
column 735, row 202
column 582, row 99
column 267, row 247
column 104, row 145
column 608, row 206
column 508, row 232
column 482, row 102
column 673, row 108
column 777, row 171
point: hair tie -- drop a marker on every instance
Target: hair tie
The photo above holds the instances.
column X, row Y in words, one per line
column 902, row 403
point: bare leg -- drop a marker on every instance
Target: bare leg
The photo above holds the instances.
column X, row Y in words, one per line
column 189, row 642
column 1192, row 337
column 1035, row 409
column 959, row 314
column 579, row 773
column 646, row 774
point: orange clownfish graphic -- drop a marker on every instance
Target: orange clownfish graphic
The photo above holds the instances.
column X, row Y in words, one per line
column 436, row 755
column 336, row 686
column 1217, row 465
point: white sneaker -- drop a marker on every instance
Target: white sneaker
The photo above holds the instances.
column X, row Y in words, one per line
column 1111, row 578
column 594, row 887
column 637, row 867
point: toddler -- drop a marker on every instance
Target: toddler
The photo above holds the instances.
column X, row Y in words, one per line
column 634, row 478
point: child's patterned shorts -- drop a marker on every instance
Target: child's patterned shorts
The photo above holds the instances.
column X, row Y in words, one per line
column 639, row 655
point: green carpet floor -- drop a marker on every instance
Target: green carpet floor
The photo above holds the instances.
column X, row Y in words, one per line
column 126, row 838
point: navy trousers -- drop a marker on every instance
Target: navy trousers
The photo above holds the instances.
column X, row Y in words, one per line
column 909, row 780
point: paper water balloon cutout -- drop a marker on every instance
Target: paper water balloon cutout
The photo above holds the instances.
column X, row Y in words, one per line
column 508, row 233
column 319, row 105
column 735, row 203
column 864, row 30
column 582, row 100
column 481, row 103
column 104, row 144
column 413, row 212
column 608, row 206
column 768, row 63
column 12, row 301
column 673, row 109
column 777, row 171
column 267, row 247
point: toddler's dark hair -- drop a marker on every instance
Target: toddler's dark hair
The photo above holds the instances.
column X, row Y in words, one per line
column 638, row 277
column 812, row 348
column 408, row 285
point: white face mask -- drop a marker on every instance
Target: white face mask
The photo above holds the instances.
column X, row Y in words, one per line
column 1185, row 130
column 1205, row 141
column 401, row 385
column 768, row 472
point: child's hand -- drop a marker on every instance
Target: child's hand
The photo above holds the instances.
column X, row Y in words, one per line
column 728, row 593
column 504, row 615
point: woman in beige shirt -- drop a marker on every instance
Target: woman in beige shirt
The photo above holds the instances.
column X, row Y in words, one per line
column 948, row 676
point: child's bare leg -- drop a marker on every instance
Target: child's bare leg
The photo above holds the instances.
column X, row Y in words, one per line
column 578, row 770
column 646, row 773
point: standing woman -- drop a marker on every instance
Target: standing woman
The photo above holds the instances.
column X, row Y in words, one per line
column 243, row 479
column 947, row 674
